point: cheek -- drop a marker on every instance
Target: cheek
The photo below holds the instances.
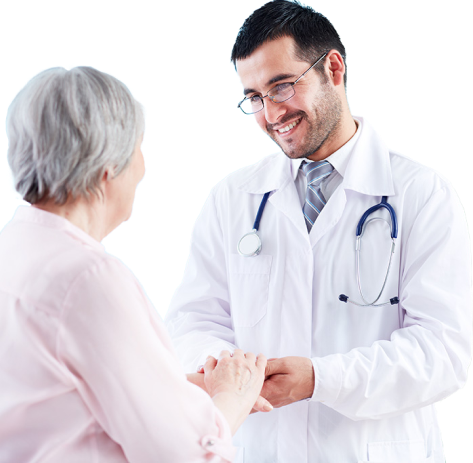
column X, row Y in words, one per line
column 261, row 120
column 137, row 168
column 142, row 169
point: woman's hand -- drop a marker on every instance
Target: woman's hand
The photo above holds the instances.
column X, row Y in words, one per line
column 261, row 404
column 235, row 382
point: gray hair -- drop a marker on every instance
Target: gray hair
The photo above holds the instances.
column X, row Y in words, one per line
column 65, row 128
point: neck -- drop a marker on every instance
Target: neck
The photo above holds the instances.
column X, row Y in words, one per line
column 85, row 213
column 344, row 131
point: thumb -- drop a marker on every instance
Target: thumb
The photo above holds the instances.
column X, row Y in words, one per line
column 272, row 367
column 262, row 405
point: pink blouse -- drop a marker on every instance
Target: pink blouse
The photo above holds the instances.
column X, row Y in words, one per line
column 87, row 370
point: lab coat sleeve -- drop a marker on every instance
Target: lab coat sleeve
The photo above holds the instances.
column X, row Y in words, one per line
column 427, row 359
column 199, row 319
column 123, row 365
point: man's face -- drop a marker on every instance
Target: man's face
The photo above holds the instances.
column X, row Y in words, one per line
column 304, row 125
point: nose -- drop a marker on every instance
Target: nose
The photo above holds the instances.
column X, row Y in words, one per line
column 273, row 111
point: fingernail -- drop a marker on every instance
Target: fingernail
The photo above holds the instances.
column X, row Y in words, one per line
column 267, row 407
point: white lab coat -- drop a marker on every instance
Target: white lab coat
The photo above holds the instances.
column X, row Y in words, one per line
column 376, row 379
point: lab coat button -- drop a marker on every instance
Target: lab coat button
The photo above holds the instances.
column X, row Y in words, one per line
column 210, row 443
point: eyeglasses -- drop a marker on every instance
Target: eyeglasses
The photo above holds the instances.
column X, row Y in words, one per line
column 278, row 94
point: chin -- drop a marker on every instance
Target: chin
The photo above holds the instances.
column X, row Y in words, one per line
column 293, row 152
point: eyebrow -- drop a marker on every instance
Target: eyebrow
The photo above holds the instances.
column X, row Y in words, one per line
column 275, row 79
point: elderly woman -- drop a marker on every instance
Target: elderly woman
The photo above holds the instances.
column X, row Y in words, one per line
column 87, row 371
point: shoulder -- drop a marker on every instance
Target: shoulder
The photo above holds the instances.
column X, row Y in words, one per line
column 101, row 271
column 420, row 192
column 412, row 176
column 49, row 261
column 95, row 276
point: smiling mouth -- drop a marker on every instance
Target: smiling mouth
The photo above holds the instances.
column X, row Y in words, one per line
column 289, row 126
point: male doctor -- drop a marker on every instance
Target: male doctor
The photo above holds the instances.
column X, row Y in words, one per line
column 350, row 383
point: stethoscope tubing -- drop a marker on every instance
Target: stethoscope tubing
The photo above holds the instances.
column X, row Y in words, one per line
column 384, row 203
column 260, row 211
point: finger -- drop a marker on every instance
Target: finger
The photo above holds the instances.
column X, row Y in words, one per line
column 238, row 353
column 200, row 369
column 261, row 363
column 251, row 358
column 273, row 367
column 262, row 405
column 223, row 354
column 210, row 364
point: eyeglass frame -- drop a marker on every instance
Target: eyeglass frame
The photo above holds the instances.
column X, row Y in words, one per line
column 272, row 88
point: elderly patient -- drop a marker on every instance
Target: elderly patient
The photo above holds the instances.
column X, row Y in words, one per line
column 87, row 371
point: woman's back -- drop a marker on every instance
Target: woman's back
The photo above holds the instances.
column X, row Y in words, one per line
column 88, row 372
column 40, row 257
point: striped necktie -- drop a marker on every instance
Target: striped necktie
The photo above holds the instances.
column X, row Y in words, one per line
column 315, row 172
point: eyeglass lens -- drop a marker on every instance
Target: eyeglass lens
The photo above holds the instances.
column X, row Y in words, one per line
column 278, row 94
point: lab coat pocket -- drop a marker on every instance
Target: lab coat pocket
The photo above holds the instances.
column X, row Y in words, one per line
column 397, row 452
column 249, row 288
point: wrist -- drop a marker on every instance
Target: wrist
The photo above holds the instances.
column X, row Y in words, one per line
column 310, row 379
column 234, row 407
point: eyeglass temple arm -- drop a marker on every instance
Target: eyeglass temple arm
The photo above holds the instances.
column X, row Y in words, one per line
column 239, row 104
column 317, row 62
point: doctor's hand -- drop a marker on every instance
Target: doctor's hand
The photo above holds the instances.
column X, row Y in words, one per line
column 288, row 380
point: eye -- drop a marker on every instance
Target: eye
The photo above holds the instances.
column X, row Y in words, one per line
column 283, row 87
column 254, row 98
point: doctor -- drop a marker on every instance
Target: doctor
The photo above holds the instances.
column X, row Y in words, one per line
column 352, row 383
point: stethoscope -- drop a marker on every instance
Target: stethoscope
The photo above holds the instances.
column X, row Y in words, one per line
column 250, row 246
column 250, row 243
column 359, row 233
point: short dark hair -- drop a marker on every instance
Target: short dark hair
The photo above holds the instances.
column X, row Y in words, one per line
column 312, row 32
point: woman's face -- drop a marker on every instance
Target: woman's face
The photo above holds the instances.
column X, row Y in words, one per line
column 120, row 191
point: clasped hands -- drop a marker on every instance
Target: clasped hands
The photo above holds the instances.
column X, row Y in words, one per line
column 287, row 380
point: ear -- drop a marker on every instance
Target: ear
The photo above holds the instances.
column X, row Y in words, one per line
column 104, row 185
column 108, row 174
column 335, row 67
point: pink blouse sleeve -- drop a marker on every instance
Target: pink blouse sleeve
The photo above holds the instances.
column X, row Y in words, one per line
column 122, row 362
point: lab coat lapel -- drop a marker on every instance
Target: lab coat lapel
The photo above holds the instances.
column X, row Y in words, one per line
column 275, row 175
column 329, row 217
column 369, row 168
column 368, row 172
column 287, row 201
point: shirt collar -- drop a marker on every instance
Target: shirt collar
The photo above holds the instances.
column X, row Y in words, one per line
column 34, row 215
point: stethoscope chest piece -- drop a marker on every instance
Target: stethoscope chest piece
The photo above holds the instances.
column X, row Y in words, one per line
column 249, row 244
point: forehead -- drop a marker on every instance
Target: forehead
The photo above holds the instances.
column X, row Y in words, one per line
column 270, row 60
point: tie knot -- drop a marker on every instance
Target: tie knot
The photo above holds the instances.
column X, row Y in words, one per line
column 316, row 171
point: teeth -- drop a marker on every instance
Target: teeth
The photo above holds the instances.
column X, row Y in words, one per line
column 289, row 127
